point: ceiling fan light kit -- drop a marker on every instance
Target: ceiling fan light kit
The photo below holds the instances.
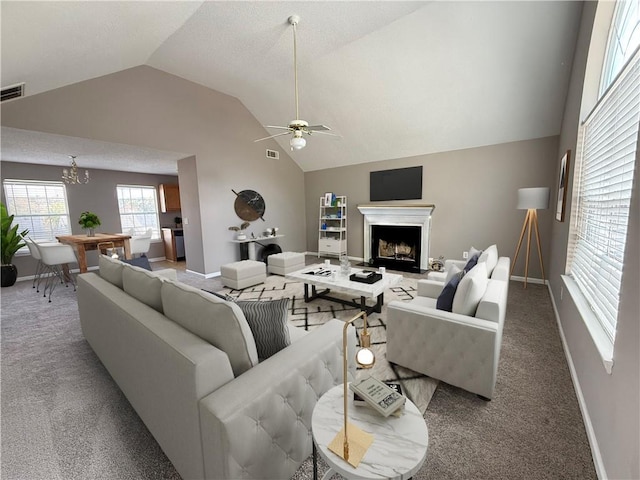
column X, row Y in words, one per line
column 297, row 126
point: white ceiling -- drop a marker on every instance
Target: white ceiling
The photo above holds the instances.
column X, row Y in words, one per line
column 394, row 79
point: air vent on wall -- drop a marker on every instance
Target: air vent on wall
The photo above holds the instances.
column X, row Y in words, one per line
column 273, row 154
column 14, row 91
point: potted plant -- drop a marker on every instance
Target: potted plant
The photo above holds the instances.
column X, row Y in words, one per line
column 89, row 221
column 240, row 235
column 11, row 243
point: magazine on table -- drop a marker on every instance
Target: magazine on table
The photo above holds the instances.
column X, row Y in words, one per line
column 358, row 401
column 381, row 397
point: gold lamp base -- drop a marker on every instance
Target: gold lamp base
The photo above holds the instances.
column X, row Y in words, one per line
column 358, row 444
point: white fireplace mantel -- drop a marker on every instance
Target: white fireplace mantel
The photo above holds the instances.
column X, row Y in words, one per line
column 401, row 215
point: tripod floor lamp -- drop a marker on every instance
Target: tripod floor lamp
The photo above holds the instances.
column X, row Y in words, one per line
column 531, row 200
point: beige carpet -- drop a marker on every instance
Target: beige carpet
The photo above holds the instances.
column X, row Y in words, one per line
column 417, row 387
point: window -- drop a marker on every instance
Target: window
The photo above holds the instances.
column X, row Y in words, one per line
column 138, row 207
column 624, row 38
column 603, row 178
column 40, row 207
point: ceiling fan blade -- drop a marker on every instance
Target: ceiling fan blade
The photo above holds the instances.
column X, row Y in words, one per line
column 318, row 127
column 281, row 128
column 313, row 132
column 271, row 136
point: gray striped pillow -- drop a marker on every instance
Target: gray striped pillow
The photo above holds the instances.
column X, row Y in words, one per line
column 268, row 323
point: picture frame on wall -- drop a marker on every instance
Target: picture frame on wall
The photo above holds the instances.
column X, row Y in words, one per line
column 327, row 199
column 563, row 179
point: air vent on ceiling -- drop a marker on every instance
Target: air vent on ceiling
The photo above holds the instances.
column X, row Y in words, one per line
column 273, row 154
column 14, row 91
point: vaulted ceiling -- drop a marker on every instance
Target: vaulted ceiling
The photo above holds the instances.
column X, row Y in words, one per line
column 393, row 79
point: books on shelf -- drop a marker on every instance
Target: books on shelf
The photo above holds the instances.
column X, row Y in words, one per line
column 383, row 398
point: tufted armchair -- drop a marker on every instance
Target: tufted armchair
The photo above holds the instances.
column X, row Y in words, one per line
column 461, row 350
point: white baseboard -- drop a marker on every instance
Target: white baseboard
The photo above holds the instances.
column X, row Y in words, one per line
column 591, row 434
column 205, row 275
column 538, row 281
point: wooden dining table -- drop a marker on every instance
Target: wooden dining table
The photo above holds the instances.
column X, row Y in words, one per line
column 83, row 243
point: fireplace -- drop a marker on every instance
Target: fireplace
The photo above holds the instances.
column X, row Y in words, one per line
column 396, row 247
column 397, row 236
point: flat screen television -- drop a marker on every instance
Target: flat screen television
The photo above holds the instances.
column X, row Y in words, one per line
column 396, row 184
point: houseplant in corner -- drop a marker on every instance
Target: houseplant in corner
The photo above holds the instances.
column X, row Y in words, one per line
column 89, row 221
column 11, row 243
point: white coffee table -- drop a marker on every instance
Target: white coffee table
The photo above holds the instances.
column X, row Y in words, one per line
column 399, row 443
column 341, row 283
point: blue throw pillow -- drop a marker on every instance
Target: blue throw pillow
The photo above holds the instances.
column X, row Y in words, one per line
column 445, row 299
column 471, row 263
column 142, row 262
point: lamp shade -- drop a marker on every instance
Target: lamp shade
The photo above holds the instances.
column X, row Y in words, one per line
column 537, row 198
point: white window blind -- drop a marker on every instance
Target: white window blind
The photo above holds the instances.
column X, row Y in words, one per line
column 40, row 207
column 138, row 206
column 605, row 161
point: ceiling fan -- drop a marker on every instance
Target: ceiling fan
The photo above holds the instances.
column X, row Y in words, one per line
column 297, row 127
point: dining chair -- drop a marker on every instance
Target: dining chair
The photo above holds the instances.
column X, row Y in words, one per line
column 56, row 259
column 35, row 253
column 140, row 244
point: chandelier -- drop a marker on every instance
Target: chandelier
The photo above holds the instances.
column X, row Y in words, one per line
column 71, row 176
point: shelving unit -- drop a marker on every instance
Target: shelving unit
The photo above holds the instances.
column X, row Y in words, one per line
column 332, row 227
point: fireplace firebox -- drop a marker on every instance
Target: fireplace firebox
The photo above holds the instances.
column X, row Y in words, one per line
column 396, row 247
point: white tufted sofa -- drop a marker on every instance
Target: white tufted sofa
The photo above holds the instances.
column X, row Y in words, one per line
column 458, row 349
column 215, row 411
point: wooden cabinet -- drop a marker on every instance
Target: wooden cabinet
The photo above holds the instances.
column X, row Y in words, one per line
column 173, row 239
column 169, row 197
column 332, row 228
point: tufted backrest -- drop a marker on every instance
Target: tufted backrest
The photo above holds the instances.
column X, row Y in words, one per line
column 259, row 425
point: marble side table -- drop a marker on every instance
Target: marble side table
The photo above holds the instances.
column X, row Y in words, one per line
column 399, row 446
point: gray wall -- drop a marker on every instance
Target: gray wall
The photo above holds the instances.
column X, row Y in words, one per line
column 474, row 191
column 147, row 107
column 98, row 196
column 611, row 402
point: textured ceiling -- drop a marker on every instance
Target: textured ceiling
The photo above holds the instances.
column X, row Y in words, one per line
column 393, row 79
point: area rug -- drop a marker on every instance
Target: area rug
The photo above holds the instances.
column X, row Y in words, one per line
column 417, row 387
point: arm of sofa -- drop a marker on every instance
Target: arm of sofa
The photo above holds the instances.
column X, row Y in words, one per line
column 501, row 270
column 429, row 288
column 259, row 425
column 457, row 349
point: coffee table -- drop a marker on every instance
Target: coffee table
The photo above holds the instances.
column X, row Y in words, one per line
column 341, row 283
column 399, row 443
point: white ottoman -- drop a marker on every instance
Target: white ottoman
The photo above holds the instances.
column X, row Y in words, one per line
column 243, row 274
column 285, row 262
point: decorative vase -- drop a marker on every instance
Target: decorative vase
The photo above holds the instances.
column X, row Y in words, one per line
column 9, row 275
column 91, row 232
column 241, row 235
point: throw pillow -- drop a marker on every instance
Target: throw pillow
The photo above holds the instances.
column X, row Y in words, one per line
column 470, row 291
column 142, row 262
column 268, row 323
column 452, row 270
column 474, row 251
column 471, row 263
column 490, row 257
column 445, row 299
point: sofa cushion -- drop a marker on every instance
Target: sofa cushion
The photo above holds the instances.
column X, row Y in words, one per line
column 268, row 323
column 111, row 270
column 445, row 299
column 470, row 290
column 219, row 322
column 490, row 257
column 142, row 285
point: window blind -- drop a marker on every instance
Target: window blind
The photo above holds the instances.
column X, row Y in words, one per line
column 40, row 207
column 605, row 161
